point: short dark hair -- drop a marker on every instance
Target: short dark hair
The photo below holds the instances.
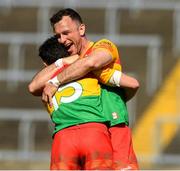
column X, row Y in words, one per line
column 51, row 50
column 65, row 12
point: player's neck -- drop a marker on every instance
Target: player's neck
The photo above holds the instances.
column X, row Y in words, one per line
column 86, row 45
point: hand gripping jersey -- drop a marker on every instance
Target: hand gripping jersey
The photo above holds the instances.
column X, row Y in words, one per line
column 80, row 101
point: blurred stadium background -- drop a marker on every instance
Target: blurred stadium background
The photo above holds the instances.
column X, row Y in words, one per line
column 147, row 33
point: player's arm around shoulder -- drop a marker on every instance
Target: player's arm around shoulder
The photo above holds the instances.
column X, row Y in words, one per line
column 96, row 59
column 40, row 79
column 99, row 57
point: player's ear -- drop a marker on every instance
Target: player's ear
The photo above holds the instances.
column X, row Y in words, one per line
column 82, row 29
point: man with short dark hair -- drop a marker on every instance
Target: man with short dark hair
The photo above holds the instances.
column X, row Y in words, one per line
column 71, row 33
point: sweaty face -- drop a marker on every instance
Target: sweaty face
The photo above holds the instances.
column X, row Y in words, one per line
column 69, row 33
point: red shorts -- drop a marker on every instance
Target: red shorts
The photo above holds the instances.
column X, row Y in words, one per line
column 123, row 153
column 86, row 146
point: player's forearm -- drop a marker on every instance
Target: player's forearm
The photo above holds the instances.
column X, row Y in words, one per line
column 130, row 85
column 37, row 84
column 83, row 66
column 75, row 71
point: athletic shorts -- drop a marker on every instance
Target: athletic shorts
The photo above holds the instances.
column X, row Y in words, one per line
column 123, row 153
column 86, row 146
